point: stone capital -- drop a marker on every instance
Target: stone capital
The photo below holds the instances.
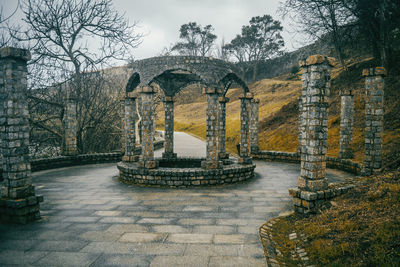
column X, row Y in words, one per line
column 131, row 95
column 207, row 90
column 223, row 99
column 146, row 90
column 377, row 71
column 254, row 100
column 318, row 59
column 348, row 92
column 248, row 95
column 168, row 99
column 17, row 53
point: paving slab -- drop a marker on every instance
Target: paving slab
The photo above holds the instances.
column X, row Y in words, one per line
column 90, row 218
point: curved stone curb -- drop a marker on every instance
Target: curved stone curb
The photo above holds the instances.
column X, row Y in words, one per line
column 292, row 157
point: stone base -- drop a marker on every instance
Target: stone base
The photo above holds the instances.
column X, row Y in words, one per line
column 312, row 185
column 148, row 164
column 311, row 202
column 133, row 158
column 245, row 160
column 169, row 155
column 254, row 149
column 208, row 165
column 20, row 211
column 223, row 155
column 369, row 171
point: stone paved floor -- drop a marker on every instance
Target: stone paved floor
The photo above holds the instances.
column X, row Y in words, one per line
column 90, row 218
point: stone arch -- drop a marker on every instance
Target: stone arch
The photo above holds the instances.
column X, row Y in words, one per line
column 133, row 82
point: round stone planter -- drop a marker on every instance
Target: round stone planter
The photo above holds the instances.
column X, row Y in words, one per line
column 184, row 172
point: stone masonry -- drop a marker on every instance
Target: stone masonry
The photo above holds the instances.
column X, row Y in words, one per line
column 255, row 103
column 374, row 111
column 212, row 158
column 129, row 130
column 169, row 127
column 122, row 114
column 301, row 126
column 316, row 84
column 147, row 158
column 346, row 124
column 222, row 127
column 70, row 128
column 18, row 202
column 245, row 114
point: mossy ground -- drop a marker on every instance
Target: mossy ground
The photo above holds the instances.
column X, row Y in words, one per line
column 362, row 228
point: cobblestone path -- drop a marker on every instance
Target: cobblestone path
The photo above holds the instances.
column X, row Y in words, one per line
column 90, row 218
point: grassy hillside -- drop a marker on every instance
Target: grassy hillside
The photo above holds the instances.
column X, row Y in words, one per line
column 279, row 112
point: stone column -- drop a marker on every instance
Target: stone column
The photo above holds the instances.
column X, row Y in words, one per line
column 255, row 103
column 122, row 114
column 374, row 111
column 169, row 128
column 18, row 202
column 212, row 130
column 245, row 112
column 129, row 130
column 222, row 128
column 301, row 126
column 70, row 128
column 316, row 85
column 147, row 158
column 346, row 124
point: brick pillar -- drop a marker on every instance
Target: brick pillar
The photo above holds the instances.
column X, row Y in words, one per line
column 301, row 126
column 245, row 112
column 70, row 128
column 129, row 130
column 169, row 128
column 212, row 131
column 18, row 203
column 316, row 85
column 222, row 128
column 147, row 158
column 346, row 124
column 374, row 111
column 122, row 114
column 255, row 103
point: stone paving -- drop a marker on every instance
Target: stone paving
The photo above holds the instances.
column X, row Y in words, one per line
column 90, row 218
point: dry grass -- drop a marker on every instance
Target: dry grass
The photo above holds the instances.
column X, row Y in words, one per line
column 361, row 229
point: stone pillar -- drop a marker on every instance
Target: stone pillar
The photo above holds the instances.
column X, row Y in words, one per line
column 212, row 130
column 222, row 128
column 316, row 85
column 122, row 114
column 147, row 158
column 18, row 203
column 169, row 128
column 70, row 128
column 346, row 124
column 255, row 103
column 129, row 130
column 374, row 111
column 245, row 112
column 301, row 126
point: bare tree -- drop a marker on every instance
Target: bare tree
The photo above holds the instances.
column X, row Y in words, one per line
column 6, row 38
column 71, row 40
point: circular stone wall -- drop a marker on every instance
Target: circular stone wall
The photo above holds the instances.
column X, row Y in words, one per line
column 178, row 176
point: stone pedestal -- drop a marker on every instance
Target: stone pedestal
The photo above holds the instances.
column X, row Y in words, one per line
column 129, row 130
column 18, row 203
column 245, row 114
column 147, row 158
column 346, row 124
column 255, row 103
column 70, row 128
column 374, row 111
column 222, row 128
column 169, row 128
column 212, row 130
column 316, row 85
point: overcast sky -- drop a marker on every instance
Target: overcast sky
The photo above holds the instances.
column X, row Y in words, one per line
column 160, row 20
